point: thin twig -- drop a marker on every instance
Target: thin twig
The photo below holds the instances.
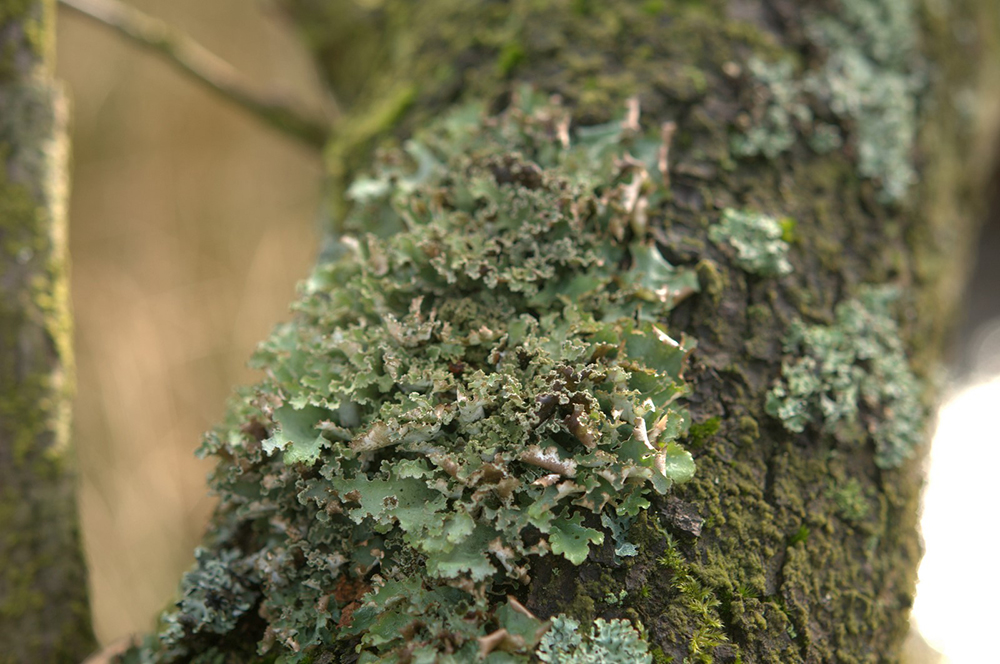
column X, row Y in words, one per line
column 207, row 68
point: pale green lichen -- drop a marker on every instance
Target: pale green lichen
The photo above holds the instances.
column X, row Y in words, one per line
column 757, row 240
column 774, row 127
column 606, row 642
column 478, row 379
column 852, row 379
column 869, row 80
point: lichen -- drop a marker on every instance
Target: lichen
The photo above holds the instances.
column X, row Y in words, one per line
column 852, row 379
column 868, row 81
column 606, row 642
column 473, row 383
column 777, row 115
column 757, row 240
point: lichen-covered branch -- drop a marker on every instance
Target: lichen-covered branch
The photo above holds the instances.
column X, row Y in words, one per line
column 44, row 615
column 622, row 351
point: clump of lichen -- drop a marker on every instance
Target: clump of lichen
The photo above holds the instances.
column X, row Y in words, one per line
column 606, row 642
column 757, row 240
column 472, row 383
column 868, row 81
column 852, row 379
column 780, row 111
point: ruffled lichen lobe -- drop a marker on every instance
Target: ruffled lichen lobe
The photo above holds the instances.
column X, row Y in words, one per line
column 479, row 377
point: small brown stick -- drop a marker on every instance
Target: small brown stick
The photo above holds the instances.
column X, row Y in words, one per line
column 207, row 68
column 631, row 121
column 666, row 138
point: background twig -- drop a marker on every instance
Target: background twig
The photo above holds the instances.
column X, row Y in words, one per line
column 207, row 68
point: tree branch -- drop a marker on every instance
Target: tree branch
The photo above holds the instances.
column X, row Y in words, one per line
column 207, row 68
column 44, row 613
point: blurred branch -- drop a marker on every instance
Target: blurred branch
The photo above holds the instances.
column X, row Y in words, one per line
column 44, row 612
column 204, row 66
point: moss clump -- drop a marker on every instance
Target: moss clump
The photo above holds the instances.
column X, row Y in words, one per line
column 698, row 600
column 473, row 383
column 852, row 379
column 852, row 503
column 757, row 240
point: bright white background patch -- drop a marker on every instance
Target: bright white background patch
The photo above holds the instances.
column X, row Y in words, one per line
column 956, row 603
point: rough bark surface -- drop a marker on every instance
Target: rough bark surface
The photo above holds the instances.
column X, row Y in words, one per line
column 796, row 539
column 44, row 616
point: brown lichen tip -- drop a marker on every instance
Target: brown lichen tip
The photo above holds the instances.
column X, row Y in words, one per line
column 486, row 368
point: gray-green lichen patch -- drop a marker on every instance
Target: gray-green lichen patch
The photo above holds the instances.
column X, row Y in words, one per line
column 852, row 379
column 781, row 110
column 606, row 642
column 757, row 240
column 473, row 383
column 869, row 82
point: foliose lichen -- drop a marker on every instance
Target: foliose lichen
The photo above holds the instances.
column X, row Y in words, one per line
column 757, row 240
column 852, row 379
column 473, row 382
column 868, row 81
column 606, row 642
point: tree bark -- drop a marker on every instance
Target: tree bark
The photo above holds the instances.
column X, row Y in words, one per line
column 808, row 156
column 44, row 615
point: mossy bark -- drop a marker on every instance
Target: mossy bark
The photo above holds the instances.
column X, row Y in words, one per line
column 790, row 564
column 785, row 546
column 44, row 615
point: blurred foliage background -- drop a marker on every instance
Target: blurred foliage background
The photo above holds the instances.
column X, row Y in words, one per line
column 190, row 224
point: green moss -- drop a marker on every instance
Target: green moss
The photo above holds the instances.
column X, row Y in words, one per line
column 703, row 431
column 511, row 56
column 711, row 280
column 852, row 503
column 699, row 601
column 749, row 430
column 852, row 379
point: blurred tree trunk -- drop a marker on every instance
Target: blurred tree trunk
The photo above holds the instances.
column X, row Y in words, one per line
column 44, row 615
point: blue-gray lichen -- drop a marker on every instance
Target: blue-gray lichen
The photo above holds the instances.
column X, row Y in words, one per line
column 869, row 81
column 607, row 642
column 470, row 384
column 782, row 109
column 757, row 240
column 852, row 379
